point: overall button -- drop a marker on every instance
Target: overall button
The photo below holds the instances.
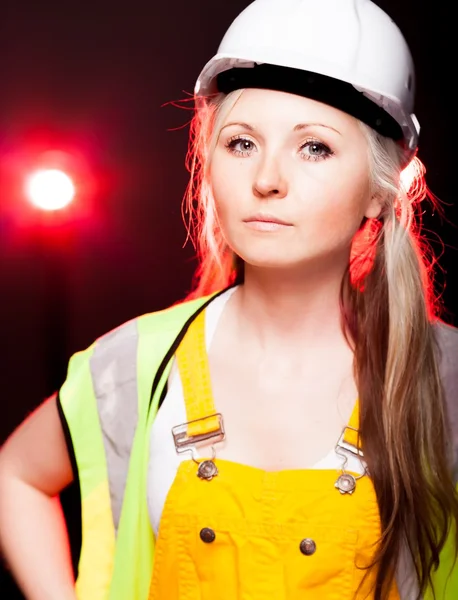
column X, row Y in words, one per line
column 307, row 547
column 207, row 535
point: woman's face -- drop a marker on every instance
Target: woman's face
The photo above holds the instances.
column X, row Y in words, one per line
column 290, row 178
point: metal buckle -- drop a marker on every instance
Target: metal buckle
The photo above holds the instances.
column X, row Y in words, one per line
column 341, row 443
column 183, row 441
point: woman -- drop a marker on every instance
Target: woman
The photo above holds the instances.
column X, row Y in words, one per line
column 290, row 431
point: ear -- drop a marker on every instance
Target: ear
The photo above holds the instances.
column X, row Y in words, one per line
column 374, row 207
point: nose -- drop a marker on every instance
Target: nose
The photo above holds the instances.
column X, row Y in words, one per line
column 270, row 180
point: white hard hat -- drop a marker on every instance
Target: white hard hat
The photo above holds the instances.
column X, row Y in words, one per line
column 354, row 57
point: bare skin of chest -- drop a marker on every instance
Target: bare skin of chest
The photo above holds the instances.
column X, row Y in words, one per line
column 280, row 411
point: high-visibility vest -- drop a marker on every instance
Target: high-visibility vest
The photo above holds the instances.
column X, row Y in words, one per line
column 109, row 401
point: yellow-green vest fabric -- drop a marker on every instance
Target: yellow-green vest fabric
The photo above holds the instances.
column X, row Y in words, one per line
column 109, row 401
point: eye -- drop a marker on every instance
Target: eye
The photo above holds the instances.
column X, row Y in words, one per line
column 316, row 150
column 240, row 146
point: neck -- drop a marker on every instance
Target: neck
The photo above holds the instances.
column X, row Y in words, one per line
column 290, row 310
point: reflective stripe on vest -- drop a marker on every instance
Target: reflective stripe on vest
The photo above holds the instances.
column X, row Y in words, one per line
column 114, row 374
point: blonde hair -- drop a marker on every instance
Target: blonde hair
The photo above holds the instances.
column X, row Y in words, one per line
column 388, row 306
column 216, row 268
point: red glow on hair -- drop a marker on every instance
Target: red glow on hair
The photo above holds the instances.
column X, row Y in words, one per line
column 413, row 190
column 412, row 178
column 363, row 251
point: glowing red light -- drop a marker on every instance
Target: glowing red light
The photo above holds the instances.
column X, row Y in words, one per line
column 50, row 189
column 412, row 175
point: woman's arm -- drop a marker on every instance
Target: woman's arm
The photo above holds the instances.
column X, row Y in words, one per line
column 34, row 468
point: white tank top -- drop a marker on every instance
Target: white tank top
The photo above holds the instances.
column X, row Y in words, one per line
column 164, row 460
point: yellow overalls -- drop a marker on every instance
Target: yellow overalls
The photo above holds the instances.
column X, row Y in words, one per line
column 247, row 534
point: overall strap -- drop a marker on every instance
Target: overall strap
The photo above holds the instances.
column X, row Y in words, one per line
column 192, row 360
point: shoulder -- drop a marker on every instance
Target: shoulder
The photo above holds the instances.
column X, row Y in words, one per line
column 153, row 322
column 157, row 325
column 446, row 333
column 447, row 345
column 113, row 360
column 172, row 317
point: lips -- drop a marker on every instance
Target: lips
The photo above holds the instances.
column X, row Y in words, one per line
column 263, row 218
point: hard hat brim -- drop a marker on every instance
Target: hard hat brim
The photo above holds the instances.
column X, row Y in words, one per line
column 318, row 87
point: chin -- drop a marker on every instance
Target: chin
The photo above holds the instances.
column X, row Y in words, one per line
column 282, row 261
column 268, row 262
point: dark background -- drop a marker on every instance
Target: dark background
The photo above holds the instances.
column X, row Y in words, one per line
column 93, row 80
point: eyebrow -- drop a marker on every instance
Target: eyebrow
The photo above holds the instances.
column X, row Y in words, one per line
column 298, row 127
column 301, row 126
